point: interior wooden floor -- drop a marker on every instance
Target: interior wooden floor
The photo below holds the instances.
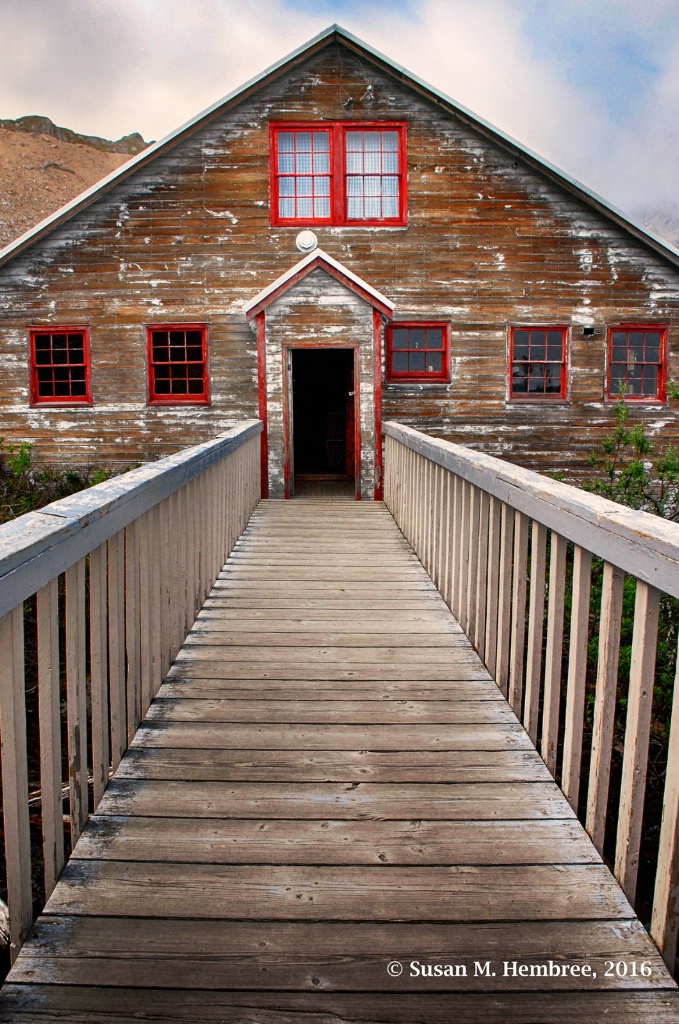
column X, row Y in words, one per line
column 329, row 782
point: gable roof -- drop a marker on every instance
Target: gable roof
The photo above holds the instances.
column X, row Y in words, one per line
column 313, row 261
column 336, row 34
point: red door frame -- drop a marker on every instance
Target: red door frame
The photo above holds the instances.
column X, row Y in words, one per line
column 287, row 402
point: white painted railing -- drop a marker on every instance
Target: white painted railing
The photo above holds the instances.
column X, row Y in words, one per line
column 482, row 528
column 117, row 575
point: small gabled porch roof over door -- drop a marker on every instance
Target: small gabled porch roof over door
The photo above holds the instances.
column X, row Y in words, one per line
column 318, row 259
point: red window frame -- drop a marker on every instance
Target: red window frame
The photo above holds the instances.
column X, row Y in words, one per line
column 539, row 396
column 338, row 174
column 177, row 398
column 40, row 366
column 612, row 394
column 415, row 375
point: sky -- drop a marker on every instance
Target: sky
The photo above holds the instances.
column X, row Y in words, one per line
column 590, row 85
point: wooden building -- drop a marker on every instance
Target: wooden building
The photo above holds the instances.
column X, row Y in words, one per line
column 459, row 284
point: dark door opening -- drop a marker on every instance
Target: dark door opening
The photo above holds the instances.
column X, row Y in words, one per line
column 323, row 418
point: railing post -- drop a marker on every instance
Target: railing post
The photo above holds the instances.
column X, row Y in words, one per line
column 554, row 652
column 49, row 710
column 665, row 918
column 15, row 777
column 604, row 703
column 637, row 732
column 76, row 697
column 518, row 629
column 577, row 671
column 536, row 618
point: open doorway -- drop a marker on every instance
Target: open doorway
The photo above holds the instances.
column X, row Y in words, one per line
column 323, row 422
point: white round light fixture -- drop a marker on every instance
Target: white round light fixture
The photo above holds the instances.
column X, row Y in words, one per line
column 306, row 241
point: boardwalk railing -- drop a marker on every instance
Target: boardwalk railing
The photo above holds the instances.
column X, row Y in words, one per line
column 108, row 583
column 483, row 529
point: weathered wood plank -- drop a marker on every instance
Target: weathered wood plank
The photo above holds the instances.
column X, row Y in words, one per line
column 281, row 841
column 124, row 889
column 482, row 801
column 275, row 765
column 303, row 956
column 80, row 1004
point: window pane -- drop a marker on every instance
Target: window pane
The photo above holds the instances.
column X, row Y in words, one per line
column 354, row 142
column 305, row 186
column 538, row 342
column 390, row 141
column 354, row 186
column 303, row 142
column 619, row 354
column 322, row 186
column 553, row 380
column 520, row 345
column 286, row 208
column 321, row 163
column 286, row 142
column 355, row 209
column 652, row 347
column 399, row 361
column 417, row 361
column 286, row 163
column 321, row 208
column 372, row 208
column 389, row 162
column 650, row 381
column 434, row 337
column 519, row 380
column 321, row 142
column 390, row 207
column 303, row 163
column 194, row 353
column 305, row 208
column 417, row 337
column 354, row 163
column 399, row 337
column 434, row 362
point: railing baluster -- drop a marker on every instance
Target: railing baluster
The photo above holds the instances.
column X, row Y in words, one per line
column 132, row 640
column 145, row 617
column 76, row 700
column 604, row 703
column 518, row 629
column 155, row 584
column 554, row 652
column 472, row 563
column 577, row 672
column 637, row 733
column 493, row 589
column 504, row 610
column 116, row 647
column 455, row 565
column 15, row 777
column 665, row 918
column 49, row 710
column 464, row 556
column 536, row 621
column 98, row 673
column 482, row 573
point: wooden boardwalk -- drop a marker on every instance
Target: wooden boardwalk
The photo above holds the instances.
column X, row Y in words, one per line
column 329, row 782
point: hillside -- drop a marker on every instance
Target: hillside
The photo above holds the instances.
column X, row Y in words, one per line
column 43, row 166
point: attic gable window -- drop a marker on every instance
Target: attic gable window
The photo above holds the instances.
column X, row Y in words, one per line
column 338, row 173
column 538, row 363
column 418, row 352
column 60, row 366
column 637, row 363
column 177, row 357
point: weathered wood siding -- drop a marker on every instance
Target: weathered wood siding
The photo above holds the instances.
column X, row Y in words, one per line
column 490, row 242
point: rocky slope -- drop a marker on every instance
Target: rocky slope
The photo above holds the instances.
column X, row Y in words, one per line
column 43, row 166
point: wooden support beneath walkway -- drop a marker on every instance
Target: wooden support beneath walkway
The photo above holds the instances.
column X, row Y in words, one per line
column 329, row 783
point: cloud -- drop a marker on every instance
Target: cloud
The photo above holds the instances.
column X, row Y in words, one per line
column 591, row 85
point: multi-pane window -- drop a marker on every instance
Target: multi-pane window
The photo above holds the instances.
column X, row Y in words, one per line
column 338, row 173
column 303, row 175
column 418, row 352
column 372, row 175
column 636, row 362
column 538, row 361
column 60, row 365
column 178, row 363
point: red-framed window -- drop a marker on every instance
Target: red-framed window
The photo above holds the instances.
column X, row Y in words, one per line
column 538, row 363
column 637, row 363
column 178, row 367
column 418, row 352
column 340, row 173
column 60, row 366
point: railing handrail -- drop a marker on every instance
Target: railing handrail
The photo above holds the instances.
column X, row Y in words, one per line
column 639, row 543
column 36, row 547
